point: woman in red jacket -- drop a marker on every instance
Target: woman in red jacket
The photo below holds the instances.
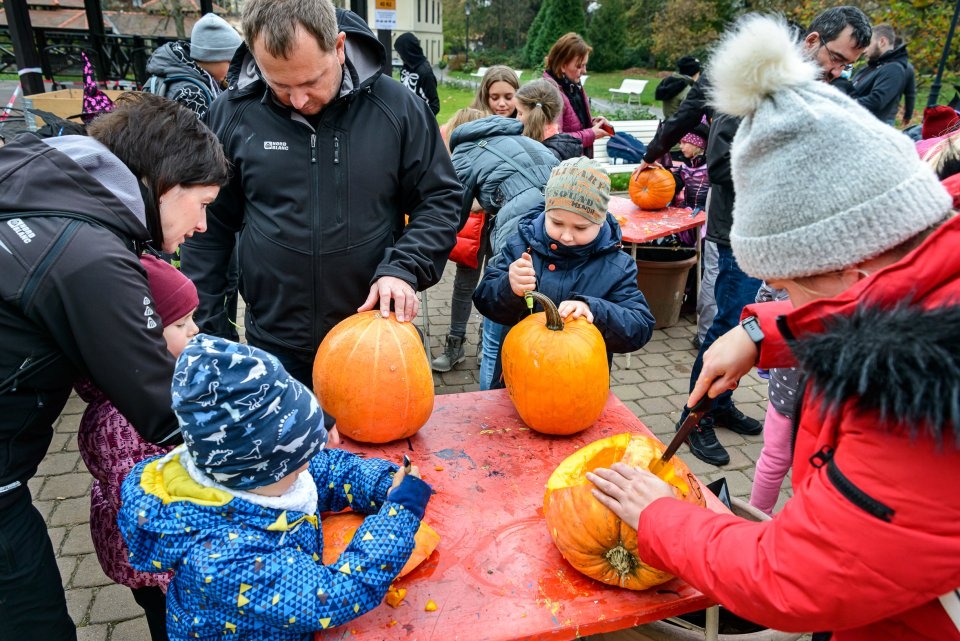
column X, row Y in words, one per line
column 868, row 548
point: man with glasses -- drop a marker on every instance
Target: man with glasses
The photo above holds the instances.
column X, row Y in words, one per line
column 837, row 37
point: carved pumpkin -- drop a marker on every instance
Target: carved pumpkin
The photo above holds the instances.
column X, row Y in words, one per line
column 371, row 373
column 338, row 531
column 652, row 188
column 591, row 537
column 556, row 372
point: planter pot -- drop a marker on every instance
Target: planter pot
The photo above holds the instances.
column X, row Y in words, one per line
column 690, row 626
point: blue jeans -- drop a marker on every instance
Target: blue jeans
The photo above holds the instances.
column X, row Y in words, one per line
column 733, row 290
column 491, row 369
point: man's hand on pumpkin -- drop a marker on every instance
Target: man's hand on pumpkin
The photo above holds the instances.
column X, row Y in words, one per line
column 406, row 304
column 627, row 491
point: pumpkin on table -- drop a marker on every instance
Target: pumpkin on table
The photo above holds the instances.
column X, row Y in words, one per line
column 653, row 188
column 338, row 530
column 556, row 372
column 591, row 537
column 372, row 374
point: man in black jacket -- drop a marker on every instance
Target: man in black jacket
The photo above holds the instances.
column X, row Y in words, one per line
column 879, row 85
column 328, row 155
column 836, row 38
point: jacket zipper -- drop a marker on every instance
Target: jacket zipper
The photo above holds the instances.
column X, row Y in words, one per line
column 870, row 505
column 336, row 177
column 317, row 231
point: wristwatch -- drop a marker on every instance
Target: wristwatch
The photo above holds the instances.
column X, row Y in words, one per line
column 752, row 327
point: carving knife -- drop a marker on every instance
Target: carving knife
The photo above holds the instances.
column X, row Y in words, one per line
column 659, row 466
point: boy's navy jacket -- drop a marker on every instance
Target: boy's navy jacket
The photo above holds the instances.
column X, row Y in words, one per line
column 600, row 274
column 255, row 572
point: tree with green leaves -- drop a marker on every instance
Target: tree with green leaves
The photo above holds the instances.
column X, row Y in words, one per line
column 555, row 18
column 607, row 33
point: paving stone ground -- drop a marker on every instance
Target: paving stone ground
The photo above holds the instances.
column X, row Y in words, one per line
column 654, row 388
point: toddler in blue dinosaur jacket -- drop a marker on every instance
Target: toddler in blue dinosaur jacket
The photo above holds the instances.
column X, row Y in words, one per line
column 572, row 252
column 235, row 511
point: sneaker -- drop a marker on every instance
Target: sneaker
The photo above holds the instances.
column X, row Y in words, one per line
column 736, row 421
column 704, row 444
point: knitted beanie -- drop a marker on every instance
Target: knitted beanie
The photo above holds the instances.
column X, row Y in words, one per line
column 695, row 139
column 579, row 185
column 938, row 120
column 688, row 65
column 245, row 421
column 821, row 183
column 174, row 295
column 213, row 39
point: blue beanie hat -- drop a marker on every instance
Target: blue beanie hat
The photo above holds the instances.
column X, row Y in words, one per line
column 245, row 421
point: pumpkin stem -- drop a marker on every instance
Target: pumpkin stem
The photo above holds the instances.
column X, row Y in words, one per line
column 622, row 560
column 554, row 321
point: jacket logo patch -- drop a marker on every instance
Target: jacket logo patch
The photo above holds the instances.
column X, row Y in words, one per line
column 271, row 145
column 22, row 230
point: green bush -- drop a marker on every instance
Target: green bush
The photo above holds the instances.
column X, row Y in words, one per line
column 619, row 182
column 555, row 18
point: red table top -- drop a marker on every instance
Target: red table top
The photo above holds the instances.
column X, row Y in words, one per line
column 496, row 575
column 642, row 226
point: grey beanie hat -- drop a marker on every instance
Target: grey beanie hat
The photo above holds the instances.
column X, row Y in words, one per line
column 213, row 39
column 821, row 184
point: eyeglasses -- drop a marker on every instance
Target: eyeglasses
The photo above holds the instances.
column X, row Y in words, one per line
column 835, row 58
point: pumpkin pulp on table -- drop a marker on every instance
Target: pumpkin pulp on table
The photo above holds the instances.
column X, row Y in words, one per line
column 589, row 536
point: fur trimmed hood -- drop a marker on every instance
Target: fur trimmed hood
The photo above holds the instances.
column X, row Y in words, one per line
column 903, row 363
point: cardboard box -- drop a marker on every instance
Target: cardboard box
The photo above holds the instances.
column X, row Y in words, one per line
column 64, row 103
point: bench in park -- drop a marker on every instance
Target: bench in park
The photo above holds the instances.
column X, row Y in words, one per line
column 642, row 130
column 630, row 87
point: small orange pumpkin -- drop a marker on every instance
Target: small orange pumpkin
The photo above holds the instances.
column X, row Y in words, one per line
column 589, row 536
column 372, row 374
column 556, row 372
column 652, row 188
column 338, row 531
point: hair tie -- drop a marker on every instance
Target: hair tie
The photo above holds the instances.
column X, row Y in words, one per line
column 539, row 105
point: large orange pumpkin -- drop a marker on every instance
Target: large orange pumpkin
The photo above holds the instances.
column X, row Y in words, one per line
column 338, row 531
column 371, row 373
column 591, row 537
column 652, row 188
column 556, row 372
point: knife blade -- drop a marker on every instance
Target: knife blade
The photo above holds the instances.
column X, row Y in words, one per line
column 406, row 463
column 695, row 413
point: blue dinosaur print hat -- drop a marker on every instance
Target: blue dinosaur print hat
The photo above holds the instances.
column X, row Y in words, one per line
column 245, row 421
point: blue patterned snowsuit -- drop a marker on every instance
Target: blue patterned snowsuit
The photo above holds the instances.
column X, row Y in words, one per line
column 256, row 572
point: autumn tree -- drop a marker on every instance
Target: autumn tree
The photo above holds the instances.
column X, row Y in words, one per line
column 687, row 28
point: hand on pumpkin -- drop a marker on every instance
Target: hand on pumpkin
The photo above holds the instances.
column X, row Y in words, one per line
column 522, row 277
column 729, row 359
column 389, row 288
column 644, row 165
column 573, row 309
column 627, row 491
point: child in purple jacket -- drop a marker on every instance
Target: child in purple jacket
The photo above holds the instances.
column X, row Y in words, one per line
column 111, row 447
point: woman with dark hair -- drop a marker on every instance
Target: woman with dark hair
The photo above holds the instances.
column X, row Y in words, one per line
column 564, row 65
column 77, row 213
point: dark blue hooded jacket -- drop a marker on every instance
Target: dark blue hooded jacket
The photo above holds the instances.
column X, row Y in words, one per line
column 600, row 274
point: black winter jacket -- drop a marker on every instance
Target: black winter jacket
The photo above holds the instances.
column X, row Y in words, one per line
column 879, row 85
column 722, row 130
column 74, row 299
column 320, row 209
column 600, row 274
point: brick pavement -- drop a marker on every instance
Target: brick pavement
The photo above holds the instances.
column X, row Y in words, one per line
column 654, row 388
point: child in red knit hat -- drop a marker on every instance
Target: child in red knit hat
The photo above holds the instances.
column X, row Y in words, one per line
column 111, row 447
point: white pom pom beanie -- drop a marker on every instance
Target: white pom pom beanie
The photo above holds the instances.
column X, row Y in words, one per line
column 821, row 184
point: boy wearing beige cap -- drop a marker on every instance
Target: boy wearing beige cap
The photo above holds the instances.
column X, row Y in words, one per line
column 570, row 251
